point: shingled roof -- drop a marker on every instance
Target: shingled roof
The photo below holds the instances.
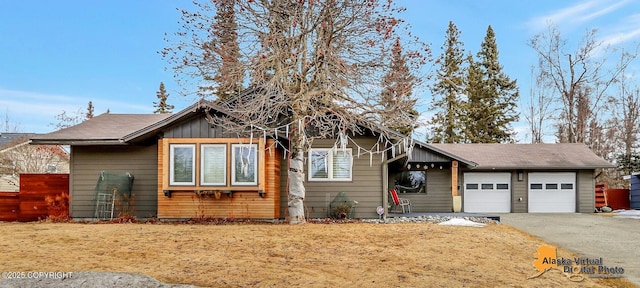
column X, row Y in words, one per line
column 103, row 129
column 527, row 156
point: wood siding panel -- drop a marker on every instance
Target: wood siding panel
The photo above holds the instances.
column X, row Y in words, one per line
column 519, row 189
column 586, row 186
column 88, row 161
column 185, row 204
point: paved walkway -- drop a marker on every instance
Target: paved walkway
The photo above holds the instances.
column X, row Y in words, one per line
column 615, row 240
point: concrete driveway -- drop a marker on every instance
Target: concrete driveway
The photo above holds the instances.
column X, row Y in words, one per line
column 615, row 240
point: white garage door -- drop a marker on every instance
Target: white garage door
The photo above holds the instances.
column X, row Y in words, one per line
column 487, row 192
column 552, row 192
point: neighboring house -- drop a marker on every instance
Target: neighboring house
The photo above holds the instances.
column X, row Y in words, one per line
column 183, row 168
column 18, row 157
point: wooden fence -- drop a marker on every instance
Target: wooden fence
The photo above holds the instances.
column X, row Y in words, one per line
column 30, row 204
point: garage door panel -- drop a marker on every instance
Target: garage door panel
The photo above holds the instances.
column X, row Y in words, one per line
column 487, row 192
column 552, row 192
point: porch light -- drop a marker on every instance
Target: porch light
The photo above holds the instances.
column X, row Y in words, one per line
column 520, row 176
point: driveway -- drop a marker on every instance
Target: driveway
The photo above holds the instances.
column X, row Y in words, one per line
column 615, row 240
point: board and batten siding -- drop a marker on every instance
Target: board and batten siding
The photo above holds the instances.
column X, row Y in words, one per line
column 196, row 127
column 88, row 161
column 365, row 185
column 586, row 189
column 241, row 204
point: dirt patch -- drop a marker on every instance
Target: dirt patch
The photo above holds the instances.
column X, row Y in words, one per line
column 316, row 255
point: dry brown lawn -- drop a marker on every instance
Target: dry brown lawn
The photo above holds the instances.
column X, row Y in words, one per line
column 309, row 255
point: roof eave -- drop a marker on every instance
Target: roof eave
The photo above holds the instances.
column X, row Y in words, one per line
column 77, row 142
column 482, row 167
column 164, row 122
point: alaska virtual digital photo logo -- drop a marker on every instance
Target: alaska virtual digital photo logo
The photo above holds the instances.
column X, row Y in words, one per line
column 576, row 268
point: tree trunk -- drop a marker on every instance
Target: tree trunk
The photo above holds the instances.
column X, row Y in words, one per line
column 296, row 179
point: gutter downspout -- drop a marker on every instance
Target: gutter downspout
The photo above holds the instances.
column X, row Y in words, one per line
column 385, row 183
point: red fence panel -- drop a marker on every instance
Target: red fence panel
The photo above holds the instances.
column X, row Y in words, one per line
column 30, row 204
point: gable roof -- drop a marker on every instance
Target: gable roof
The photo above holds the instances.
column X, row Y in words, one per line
column 111, row 129
column 527, row 156
column 8, row 139
column 103, row 129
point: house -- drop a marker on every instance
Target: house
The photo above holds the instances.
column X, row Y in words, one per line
column 183, row 167
column 17, row 156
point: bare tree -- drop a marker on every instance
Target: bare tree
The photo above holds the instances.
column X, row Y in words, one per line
column 315, row 69
column 579, row 79
column 8, row 125
column 538, row 112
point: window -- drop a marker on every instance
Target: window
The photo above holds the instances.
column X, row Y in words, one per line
column 52, row 168
column 566, row 186
column 213, row 164
column 330, row 164
column 487, row 186
column 536, row 186
column 411, row 182
column 551, row 186
column 244, row 165
column 182, row 164
column 502, row 186
column 472, row 186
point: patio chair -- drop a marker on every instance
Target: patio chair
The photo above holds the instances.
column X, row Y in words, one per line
column 400, row 202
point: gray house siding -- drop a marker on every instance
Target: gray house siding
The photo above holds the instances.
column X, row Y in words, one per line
column 586, row 202
column 519, row 190
column 88, row 161
column 438, row 197
column 365, row 187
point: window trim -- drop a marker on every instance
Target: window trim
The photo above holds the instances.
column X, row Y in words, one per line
column 330, row 162
column 172, row 148
column 234, row 181
column 203, row 146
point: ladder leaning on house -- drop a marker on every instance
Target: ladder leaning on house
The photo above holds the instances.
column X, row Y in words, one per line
column 104, row 205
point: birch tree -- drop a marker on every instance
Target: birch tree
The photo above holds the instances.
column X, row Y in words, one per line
column 314, row 70
column 579, row 79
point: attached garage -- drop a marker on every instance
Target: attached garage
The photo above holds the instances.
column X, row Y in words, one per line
column 487, row 192
column 552, row 192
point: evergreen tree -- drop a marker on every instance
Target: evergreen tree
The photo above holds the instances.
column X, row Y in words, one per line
column 446, row 125
column 398, row 107
column 494, row 101
column 161, row 106
column 474, row 107
column 89, row 110
column 224, row 48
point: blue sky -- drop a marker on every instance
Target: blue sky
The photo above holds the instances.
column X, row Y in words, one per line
column 58, row 55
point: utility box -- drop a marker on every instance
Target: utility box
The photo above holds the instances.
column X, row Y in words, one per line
column 634, row 191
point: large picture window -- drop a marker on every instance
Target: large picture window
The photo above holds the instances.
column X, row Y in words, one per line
column 213, row 164
column 412, row 182
column 182, row 164
column 330, row 164
column 244, row 165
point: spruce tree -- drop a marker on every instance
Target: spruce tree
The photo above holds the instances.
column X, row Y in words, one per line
column 161, row 106
column 398, row 107
column 446, row 124
column 89, row 114
column 495, row 103
column 225, row 48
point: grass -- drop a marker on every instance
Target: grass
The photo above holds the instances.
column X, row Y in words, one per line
column 310, row 255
